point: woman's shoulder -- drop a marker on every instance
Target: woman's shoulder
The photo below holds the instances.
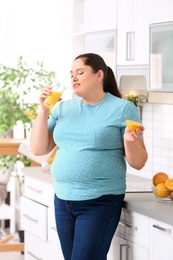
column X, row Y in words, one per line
column 118, row 100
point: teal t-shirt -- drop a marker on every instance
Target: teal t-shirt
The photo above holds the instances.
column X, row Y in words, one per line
column 90, row 161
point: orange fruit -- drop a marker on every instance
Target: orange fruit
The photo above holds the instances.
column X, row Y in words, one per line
column 161, row 191
column 169, row 184
column 50, row 160
column 159, row 177
column 171, row 195
column 132, row 125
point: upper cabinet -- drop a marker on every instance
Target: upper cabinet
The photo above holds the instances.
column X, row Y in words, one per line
column 73, row 13
column 162, row 11
column 133, row 32
column 100, row 15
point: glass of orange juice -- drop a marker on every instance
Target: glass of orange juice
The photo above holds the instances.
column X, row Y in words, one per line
column 54, row 96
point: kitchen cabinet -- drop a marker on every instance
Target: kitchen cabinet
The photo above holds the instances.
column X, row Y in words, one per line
column 122, row 249
column 37, row 217
column 73, row 17
column 162, row 11
column 161, row 240
column 131, row 238
column 133, row 19
column 73, row 30
column 100, row 15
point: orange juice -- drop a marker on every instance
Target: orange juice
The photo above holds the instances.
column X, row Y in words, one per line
column 51, row 100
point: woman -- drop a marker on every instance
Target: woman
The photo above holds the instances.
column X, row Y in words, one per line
column 89, row 170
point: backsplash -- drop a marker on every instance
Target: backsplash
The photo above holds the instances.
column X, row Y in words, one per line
column 158, row 136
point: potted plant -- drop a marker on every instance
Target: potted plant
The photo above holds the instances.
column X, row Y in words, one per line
column 16, row 83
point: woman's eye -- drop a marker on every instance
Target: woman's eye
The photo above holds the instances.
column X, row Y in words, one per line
column 80, row 73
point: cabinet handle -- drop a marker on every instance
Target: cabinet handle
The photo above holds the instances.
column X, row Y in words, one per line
column 32, row 219
column 121, row 251
column 53, row 228
column 34, row 256
column 162, row 228
column 34, row 189
column 130, row 45
column 128, row 225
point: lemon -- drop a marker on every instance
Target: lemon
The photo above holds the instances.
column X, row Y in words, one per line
column 132, row 125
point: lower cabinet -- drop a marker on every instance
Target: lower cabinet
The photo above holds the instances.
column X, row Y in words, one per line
column 41, row 239
column 122, row 249
column 131, row 240
column 37, row 219
column 161, row 240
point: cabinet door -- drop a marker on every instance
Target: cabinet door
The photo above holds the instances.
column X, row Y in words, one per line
column 122, row 249
column 136, row 252
column 133, row 32
column 134, row 227
column 118, row 249
column 161, row 243
column 162, row 11
column 100, row 15
column 38, row 190
column 34, row 218
column 35, row 248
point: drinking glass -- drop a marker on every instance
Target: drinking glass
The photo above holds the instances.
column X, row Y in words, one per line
column 54, row 96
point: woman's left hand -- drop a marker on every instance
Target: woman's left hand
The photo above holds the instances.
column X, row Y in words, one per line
column 133, row 135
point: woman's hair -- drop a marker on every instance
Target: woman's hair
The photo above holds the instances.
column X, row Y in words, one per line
column 97, row 63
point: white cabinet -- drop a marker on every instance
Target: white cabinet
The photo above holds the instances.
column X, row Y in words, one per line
column 73, row 17
column 131, row 240
column 161, row 240
column 162, row 11
column 133, row 32
column 100, row 15
column 37, row 217
column 123, row 249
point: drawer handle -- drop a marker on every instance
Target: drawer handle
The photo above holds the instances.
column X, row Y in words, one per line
column 34, row 189
column 32, row 219
column 121, row 251
column 162, row 228
column 53, row 228
column 34, row 256
column 128, row 225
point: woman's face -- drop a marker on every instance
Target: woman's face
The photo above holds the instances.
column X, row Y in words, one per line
column 84, row 81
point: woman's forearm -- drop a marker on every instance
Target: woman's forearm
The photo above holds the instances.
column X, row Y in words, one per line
column 136, row 154
column 40, row 140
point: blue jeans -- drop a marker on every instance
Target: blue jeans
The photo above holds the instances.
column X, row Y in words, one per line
column 86, row 228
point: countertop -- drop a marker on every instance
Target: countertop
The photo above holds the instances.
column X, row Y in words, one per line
column 140, row 202
column 146, row 204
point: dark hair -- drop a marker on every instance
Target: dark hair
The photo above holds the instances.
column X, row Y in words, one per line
column 97, row 63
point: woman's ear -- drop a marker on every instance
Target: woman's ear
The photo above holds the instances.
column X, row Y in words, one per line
column 100, row 75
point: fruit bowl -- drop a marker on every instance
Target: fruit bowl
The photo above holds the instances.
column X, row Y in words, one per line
column 162, row 194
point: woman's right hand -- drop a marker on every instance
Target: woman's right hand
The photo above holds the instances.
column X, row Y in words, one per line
column 43, row 95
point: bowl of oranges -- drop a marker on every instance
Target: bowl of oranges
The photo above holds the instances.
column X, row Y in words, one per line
column 162, row 187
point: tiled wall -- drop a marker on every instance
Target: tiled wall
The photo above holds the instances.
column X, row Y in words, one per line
column 158, row 136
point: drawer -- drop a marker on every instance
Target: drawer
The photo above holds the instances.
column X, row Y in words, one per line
column 134, row 227
column 52, row 233
column 35, row 248
column 53, row 252
column 34, row 217
column 38, row 190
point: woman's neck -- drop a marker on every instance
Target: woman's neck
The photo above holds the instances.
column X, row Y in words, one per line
column 93, row 99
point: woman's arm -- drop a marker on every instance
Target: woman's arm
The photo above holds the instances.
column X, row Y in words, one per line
column 41, row 139
column 135, row 151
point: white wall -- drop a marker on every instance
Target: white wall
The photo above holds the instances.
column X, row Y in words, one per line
column 34, row 29
column 158, row 137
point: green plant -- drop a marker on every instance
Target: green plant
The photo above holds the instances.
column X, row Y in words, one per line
column 8, row 162
column 15, row 85
column 133, row 99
